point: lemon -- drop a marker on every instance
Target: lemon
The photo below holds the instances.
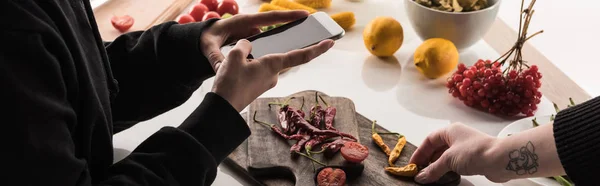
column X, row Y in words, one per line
column 383, row 36
column 436, row 57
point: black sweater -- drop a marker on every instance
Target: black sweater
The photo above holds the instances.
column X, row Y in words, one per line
column 577, row 137
column 64, row 93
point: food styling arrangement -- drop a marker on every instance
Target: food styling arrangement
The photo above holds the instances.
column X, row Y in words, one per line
column 309, row 138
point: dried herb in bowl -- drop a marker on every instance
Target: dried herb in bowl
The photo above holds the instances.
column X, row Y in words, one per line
column 455, row 5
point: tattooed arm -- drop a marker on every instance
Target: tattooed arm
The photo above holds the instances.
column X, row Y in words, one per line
column 466, row 151
column 531, row 153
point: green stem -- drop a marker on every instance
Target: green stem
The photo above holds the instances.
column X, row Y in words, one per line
column 302, row 106
column 308, row 153
column 563, row 181
column 261, row 122
column 285, row 102
column 373, row 127
column 572, row 102
column 311, row 158
column 556, row 107
column 317, row 98
column 394, row 133
column 327, row 105
column 535, row 123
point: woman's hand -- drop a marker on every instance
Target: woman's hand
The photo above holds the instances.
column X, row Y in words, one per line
column 238, row 27
column 466, row 151
column 457, row 148
column 240, row 80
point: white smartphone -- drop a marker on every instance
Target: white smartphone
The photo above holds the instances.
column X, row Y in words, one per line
column 291, row 36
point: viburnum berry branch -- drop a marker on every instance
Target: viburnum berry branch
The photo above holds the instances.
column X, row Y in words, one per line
column 515, row 51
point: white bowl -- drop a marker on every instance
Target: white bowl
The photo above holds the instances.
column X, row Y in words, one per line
column 462, row 28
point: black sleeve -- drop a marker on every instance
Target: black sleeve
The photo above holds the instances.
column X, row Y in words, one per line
column 47, row 144
column 577, row 137
column 188, row 155
column 157, row 70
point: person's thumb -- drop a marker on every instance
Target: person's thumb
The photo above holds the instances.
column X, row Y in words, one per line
column 434, row 171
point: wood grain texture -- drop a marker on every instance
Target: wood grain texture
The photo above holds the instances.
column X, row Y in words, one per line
column 146, row 13
column 270, row 154
column 373, row 173
column 556, row 85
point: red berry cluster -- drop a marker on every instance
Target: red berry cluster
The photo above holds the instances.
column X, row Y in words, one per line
column 484, row 86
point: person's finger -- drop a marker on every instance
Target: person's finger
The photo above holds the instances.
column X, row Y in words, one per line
column 435, row 170
column 213, row 53
column 240, row 51
column 272, row 17
column 278, row 62
column 435, row 141
column 438, row 153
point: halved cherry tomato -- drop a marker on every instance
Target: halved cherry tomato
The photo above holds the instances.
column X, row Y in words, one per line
column 185, row 18
column 211, row 4
column 198, row 11
column 354, row 152
column 331, row 177
column 210, row 15
column 228, row 6
column 122, row 23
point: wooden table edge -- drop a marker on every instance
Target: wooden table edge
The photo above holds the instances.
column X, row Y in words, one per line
column 556, row 85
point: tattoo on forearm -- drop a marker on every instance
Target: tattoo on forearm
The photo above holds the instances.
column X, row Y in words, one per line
column 523, row 160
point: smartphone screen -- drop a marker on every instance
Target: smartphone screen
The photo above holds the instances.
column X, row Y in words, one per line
column 294, row 35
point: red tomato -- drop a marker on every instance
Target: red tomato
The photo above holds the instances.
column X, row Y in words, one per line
column 185, row 18
column 331, row 177
column 122, row 23
column 210, row 15
column 198, row 11
column 211, row 4
column 228, row 6
column 354, row 152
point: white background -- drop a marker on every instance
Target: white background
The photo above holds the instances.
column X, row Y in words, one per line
column 570, row 38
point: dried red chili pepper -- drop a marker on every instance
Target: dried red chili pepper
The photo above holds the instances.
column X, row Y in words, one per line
column 298, row 146
column 300, row 122
column 281, row 114
column 329, row 114
column 315, row 141
column 316, row 113
column 316, row 116
column 274, row 128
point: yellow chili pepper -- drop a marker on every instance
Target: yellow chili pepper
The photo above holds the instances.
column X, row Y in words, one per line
column 409, row 170
column 345, row 19
column 379, row 141
column 315, row 3
column 397, row 150
column 265, row 7
column 292, row 5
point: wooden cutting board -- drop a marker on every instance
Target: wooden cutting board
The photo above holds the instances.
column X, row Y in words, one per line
column 270, row 154
column 281, row 172
column 146, row 13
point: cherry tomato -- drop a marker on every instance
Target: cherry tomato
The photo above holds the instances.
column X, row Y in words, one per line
column 185, row 18
column 211, row 4
column 331, row 177
column 354, row 152
column 210, row 15
column 228, row 6
column 198, row 11
column 122, row 23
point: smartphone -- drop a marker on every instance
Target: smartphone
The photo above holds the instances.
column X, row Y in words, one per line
column 293, row 35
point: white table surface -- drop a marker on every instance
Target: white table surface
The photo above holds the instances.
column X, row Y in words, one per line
column 391, row 91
